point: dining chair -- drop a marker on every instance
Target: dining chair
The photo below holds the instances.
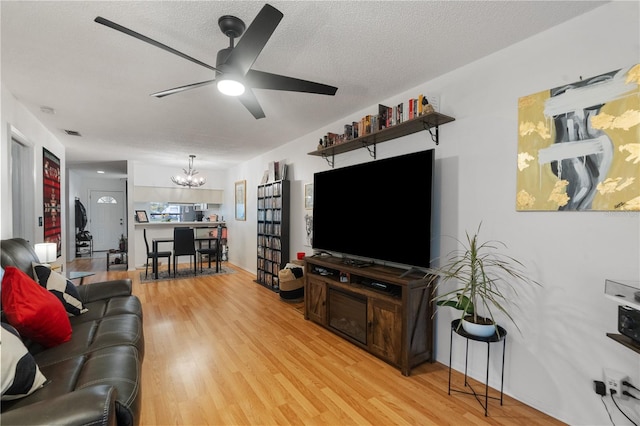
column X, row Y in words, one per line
column 210, row 251
column 184, row 244
column 155, row 255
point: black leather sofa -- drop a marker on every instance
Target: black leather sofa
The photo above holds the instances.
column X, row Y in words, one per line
column 94, row 378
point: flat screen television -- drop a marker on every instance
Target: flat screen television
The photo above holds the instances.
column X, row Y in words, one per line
column 377, row 211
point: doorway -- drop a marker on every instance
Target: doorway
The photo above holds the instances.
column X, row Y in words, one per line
column 22, row 190
column 107, row 213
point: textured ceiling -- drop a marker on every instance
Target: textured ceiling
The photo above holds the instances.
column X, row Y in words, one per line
column 99, row 80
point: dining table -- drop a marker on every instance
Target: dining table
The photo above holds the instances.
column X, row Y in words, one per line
column 199, row 240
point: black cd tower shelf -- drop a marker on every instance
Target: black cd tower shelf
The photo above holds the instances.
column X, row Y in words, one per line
column 273, row 232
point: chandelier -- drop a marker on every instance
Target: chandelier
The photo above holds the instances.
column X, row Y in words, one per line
column 189, row 178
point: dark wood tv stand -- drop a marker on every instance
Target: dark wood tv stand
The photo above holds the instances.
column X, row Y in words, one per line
column 395, row 311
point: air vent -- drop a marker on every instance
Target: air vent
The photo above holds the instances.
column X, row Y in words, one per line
column 72, row 132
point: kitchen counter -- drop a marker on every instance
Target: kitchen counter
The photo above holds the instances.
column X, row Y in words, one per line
column 202, row 224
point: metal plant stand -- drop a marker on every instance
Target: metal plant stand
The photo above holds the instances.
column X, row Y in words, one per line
column 501, row 336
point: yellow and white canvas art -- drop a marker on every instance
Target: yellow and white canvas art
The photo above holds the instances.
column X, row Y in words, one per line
column 579, row 145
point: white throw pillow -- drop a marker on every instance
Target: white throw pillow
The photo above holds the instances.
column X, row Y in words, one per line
column 20, row 373
column 60, row 287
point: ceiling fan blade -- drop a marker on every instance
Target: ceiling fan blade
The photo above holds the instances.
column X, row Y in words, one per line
column 127, row 31
column 265, row 80
column 254, row 39
column 181, row 89
column 249, row 100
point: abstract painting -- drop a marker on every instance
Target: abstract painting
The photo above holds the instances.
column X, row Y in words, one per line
column 51, row 196
column 579, row 145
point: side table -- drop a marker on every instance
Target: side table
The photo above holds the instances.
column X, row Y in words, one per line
column 122, row 256
column 501, row 336
column 74, row 275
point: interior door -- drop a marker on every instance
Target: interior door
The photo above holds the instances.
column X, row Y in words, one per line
column 22, row 190
column 107, row 212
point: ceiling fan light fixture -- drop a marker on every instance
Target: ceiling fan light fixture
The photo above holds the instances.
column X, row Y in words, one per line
column 230, row 87
column 234, row 63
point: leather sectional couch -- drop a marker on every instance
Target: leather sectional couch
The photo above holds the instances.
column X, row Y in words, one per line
column 94, row 377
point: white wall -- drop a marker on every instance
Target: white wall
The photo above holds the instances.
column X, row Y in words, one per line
column 15, row 115
column 563, row 346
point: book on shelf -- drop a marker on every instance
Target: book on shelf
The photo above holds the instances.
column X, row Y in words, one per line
column 272, row 171
column 419, row 104
column 279, row 170
column 333, row 138
column 383, row 113
column 365, row 126
column 348, row 131
column 399, row 114
column 411, row 109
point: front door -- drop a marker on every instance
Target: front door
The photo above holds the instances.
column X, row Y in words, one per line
column 107, row 218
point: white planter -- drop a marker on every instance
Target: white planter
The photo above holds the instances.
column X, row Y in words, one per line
column 480, row 330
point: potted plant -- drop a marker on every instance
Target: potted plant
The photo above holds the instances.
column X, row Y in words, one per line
column 485, row 279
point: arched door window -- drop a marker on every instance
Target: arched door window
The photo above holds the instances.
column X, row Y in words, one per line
column 107, row 199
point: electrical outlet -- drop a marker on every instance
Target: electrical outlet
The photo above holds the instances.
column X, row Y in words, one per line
column 613, row 382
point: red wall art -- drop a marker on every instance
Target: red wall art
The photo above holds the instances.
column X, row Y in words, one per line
column 51, row 196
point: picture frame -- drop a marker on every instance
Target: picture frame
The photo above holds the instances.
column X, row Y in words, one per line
column 52, row 206
column 141, row 216
column 596, row 170
column 240, row 194
column 308, row 196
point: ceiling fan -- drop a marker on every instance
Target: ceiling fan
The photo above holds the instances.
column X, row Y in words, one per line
column 233, row 72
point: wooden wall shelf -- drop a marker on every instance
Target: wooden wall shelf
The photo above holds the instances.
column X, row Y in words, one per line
column 625, row 341
column 623, row 292
column 424, row 122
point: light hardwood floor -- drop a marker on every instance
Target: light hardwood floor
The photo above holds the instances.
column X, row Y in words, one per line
column 223, row 350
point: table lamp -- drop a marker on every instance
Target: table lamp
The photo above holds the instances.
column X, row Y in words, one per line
column 46, row 252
